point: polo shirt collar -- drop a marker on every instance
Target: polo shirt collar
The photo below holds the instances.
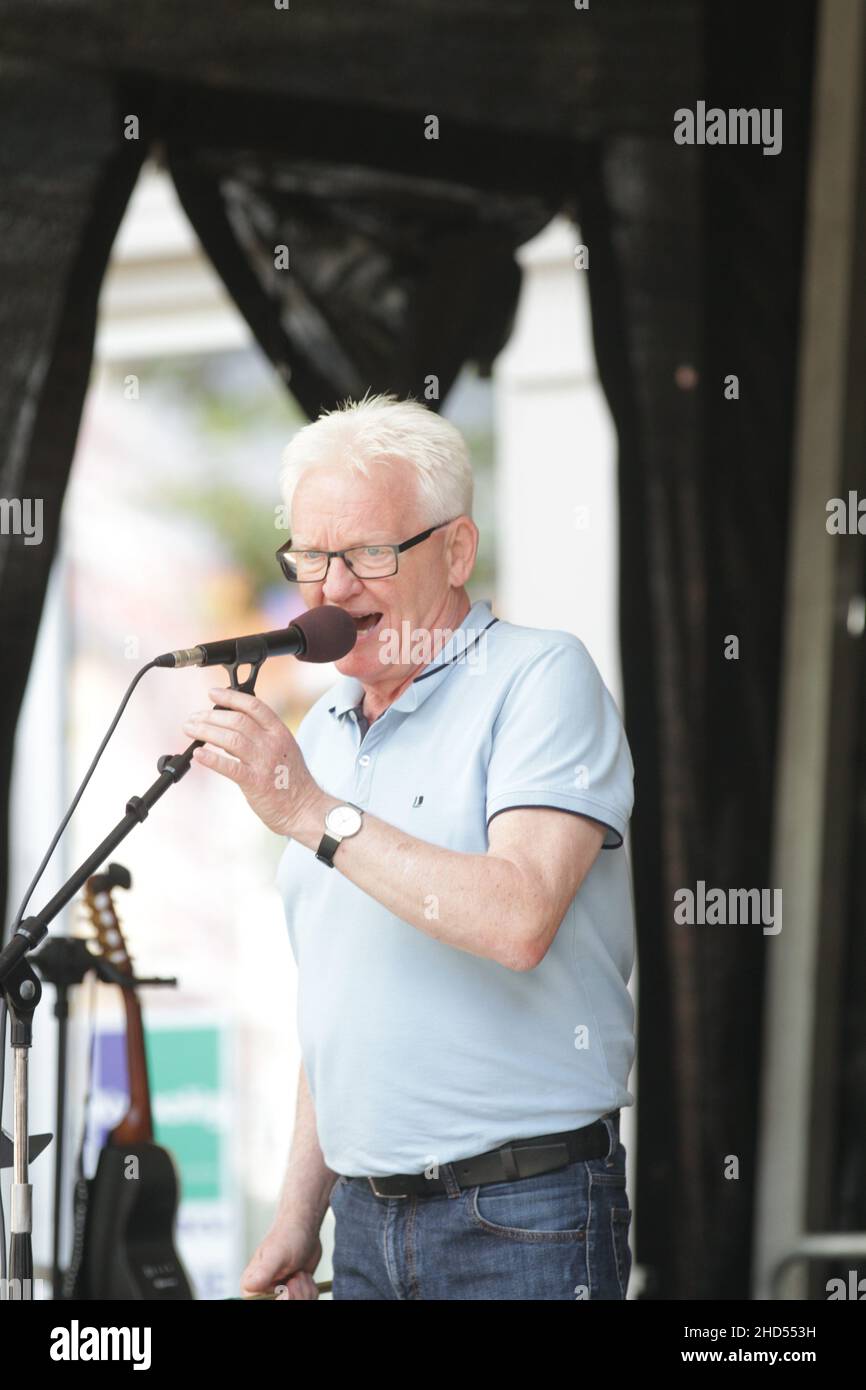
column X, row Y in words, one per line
column 349, row 692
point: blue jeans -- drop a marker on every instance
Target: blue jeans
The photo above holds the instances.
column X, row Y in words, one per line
column 562, row 1235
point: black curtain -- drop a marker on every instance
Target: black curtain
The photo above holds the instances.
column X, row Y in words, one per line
column 699, row 280
column 306, row 130
column 66, row 176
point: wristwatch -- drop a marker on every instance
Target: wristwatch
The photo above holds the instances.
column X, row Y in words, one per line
column 341, row 823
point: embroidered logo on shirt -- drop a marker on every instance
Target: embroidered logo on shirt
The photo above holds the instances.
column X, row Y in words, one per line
column 417, row 801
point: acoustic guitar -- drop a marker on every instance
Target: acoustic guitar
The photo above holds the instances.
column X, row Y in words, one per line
column 125, row 1238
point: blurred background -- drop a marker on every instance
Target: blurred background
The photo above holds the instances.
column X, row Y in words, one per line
column 214, row 229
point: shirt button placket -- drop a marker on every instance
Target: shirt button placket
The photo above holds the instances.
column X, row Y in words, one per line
column 363, row 772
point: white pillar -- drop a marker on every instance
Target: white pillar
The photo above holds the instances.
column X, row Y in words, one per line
column 557, row 515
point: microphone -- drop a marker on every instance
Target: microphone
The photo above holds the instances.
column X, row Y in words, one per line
column 322, row 634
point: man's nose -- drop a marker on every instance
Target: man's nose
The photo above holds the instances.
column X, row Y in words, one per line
column 340, row 582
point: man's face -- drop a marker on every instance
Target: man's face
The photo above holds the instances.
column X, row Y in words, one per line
column 334, row 508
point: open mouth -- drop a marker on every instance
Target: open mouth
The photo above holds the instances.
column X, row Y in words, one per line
column 366, row 622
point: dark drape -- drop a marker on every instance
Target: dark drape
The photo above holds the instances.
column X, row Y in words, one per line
column 691, row 287
column 305, row 129
column 396, row 276
column 65, row 177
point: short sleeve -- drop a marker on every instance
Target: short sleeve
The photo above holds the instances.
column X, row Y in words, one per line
column 559, row 741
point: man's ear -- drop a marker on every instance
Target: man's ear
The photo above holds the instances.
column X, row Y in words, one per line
column 462, row 545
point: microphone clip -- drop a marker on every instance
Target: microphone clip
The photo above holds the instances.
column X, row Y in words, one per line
column 252, row 652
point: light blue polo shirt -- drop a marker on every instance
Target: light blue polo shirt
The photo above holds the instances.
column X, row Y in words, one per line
column 418, row 1053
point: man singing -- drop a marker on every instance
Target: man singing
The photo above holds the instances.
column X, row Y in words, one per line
column 457, row 898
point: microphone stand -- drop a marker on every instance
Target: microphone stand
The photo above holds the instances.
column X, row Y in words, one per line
column 21, row 988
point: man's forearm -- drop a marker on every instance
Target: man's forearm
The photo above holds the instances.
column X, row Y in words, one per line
column 308, row 1181
column 502, row 906
column 475, row 902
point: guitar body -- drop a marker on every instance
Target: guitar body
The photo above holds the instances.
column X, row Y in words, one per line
column 129, row 1242
column 125, row 1214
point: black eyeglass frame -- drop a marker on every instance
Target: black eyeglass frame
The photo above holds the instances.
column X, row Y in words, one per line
column 398, row 548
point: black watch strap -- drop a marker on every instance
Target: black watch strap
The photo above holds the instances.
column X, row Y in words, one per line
column 327, row 849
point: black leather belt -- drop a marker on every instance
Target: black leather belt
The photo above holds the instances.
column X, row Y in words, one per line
column 522, row 1158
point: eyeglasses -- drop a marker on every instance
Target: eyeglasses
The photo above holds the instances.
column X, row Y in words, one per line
column 365, row 561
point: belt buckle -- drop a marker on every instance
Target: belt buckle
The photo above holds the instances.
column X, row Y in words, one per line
column 377, row 1193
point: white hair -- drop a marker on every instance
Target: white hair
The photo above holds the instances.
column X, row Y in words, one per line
column 380, row 429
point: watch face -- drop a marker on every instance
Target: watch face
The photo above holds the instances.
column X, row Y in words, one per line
column 343, row 820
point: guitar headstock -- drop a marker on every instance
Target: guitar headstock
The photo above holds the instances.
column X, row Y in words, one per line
column 99, row 902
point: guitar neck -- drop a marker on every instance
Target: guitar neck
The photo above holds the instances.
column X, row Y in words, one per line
column 136, row 1127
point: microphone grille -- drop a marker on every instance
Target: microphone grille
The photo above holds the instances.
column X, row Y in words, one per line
column 329, row 633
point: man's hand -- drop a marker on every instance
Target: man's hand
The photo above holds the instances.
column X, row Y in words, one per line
column 248, row 743
column 285, row 1261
